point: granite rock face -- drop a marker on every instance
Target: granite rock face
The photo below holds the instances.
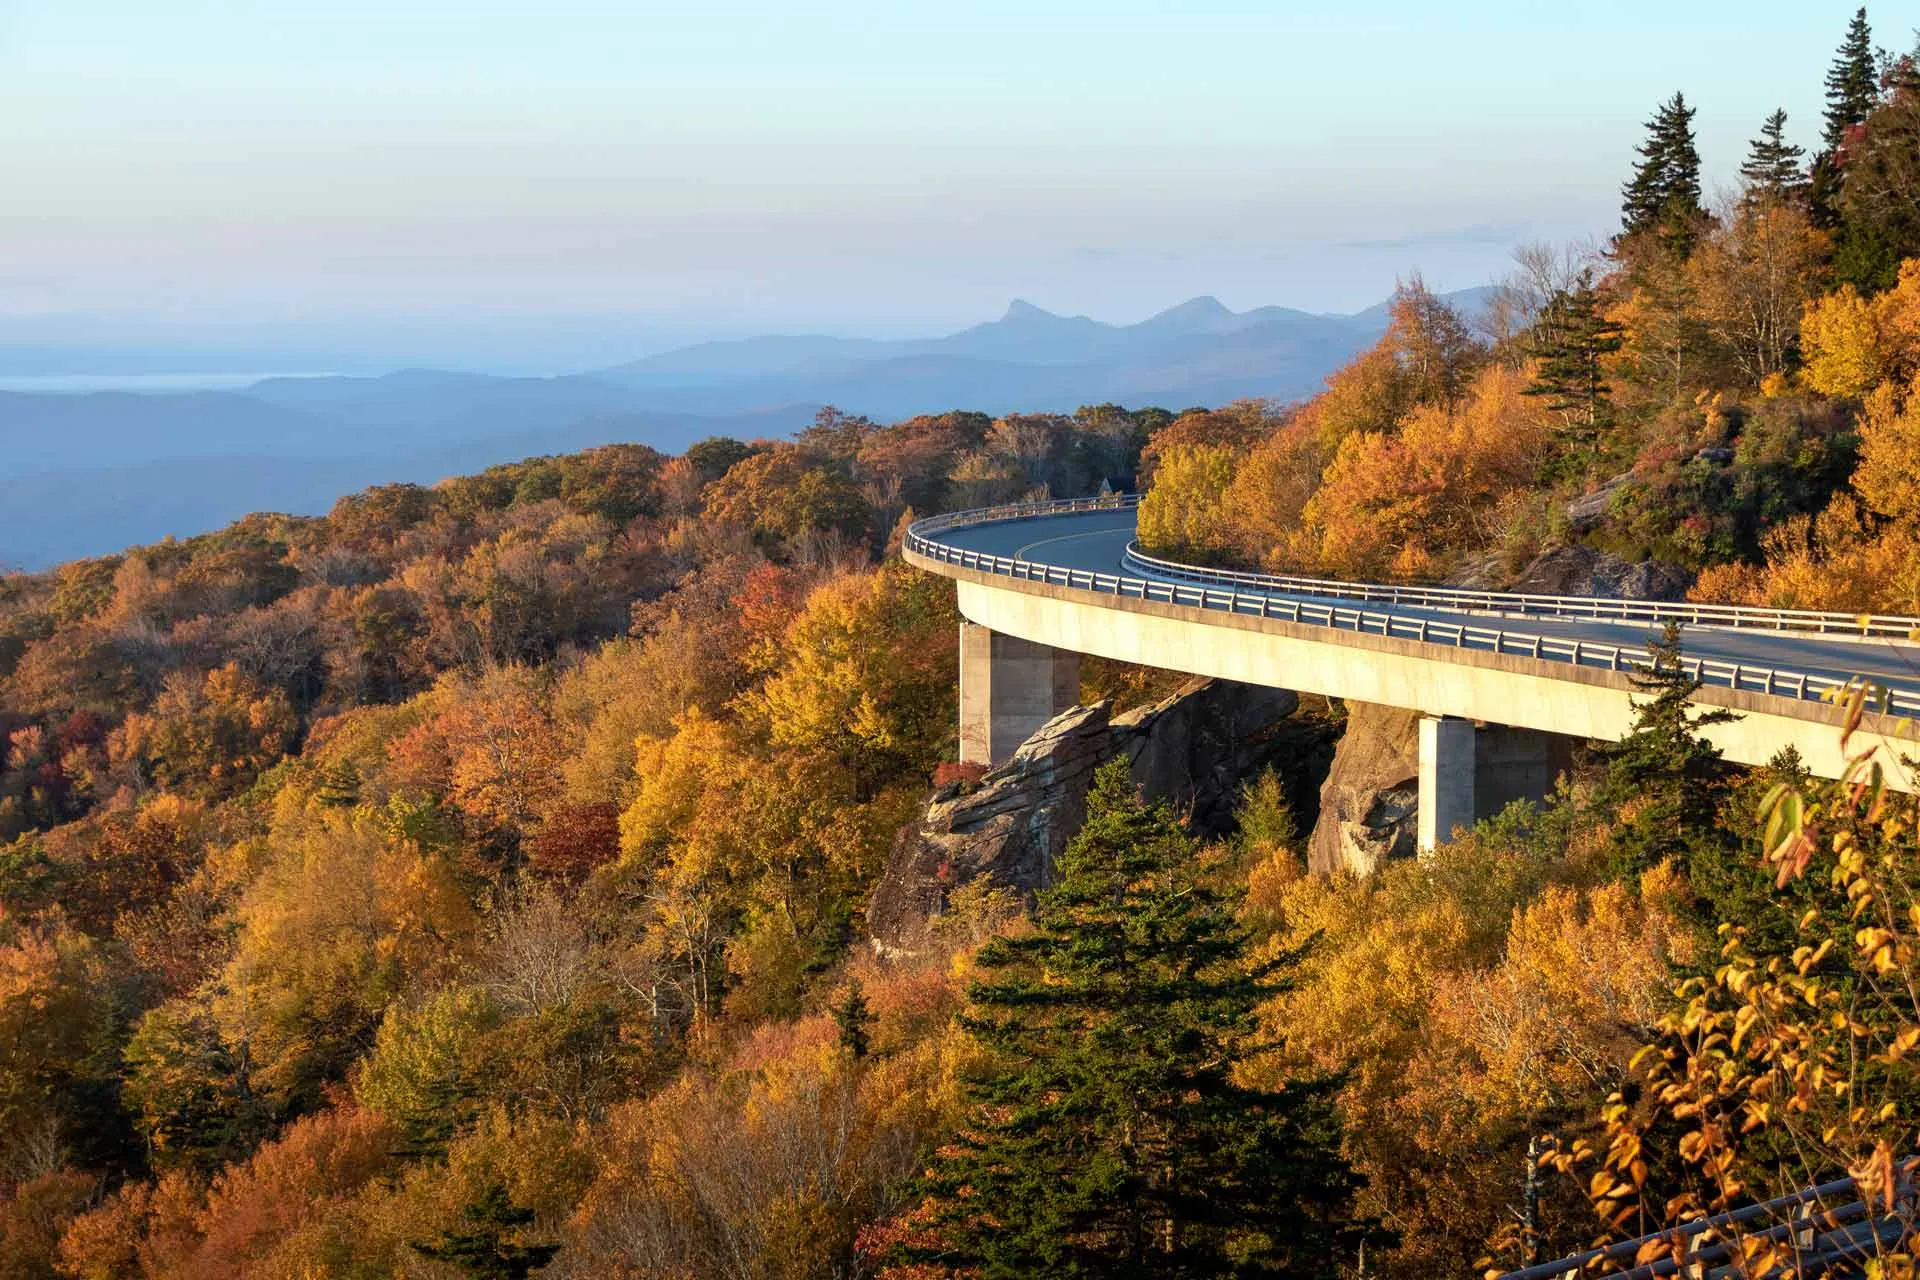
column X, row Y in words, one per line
column 1194, row 750
column 1369, row 804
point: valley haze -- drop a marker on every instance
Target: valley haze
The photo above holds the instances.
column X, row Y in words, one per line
column 185, row 462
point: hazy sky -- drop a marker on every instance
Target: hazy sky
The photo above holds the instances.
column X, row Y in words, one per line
column 569, row 178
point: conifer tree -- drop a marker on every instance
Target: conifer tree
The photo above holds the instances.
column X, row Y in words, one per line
column 1853, row 83
column 1569, row 340
column 853, row 1019
column 1664, row 780
column 1773, row 167
column 487, row 1246
column 1852, row 91
column 1664, row 193
column 1112, row 1135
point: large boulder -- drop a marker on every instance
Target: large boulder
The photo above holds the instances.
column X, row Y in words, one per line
column 1194, row 749
column 1370, row 802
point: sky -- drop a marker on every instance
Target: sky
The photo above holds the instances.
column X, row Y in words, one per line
column 565, row 184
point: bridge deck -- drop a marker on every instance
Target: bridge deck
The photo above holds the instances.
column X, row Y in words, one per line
column 1097, row 540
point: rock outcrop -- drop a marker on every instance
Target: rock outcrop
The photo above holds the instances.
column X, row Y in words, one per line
column 1194, row 750
column 1579, row 570
column 1369, row 804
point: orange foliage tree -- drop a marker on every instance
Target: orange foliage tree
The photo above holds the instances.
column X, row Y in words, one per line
column 1401, row 503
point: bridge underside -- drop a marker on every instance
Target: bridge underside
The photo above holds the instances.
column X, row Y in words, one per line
column 1469, row 772
column 1010, row 687
column 1019, row 666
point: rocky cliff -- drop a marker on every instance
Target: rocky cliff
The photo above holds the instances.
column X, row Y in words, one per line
column 1369, row 804
column 1195, row 749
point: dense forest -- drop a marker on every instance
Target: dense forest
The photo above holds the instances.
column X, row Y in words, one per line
column 472, row 881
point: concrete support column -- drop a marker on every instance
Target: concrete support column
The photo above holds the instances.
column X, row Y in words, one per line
column 1446, row 779
column 1008, row 688
column 1468, row 773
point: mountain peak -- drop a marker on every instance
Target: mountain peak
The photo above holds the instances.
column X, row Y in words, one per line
column 1204, row 314
column 1020, row 309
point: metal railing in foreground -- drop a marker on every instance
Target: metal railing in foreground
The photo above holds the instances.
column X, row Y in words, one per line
column 1239, row 599
column 1827, row 1230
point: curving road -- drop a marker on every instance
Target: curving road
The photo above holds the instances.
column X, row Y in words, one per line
column 1095, row 541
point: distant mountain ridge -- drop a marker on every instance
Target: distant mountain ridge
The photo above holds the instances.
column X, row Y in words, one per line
column 89, row 473
column 1028, row 336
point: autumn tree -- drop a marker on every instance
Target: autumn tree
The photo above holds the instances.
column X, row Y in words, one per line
column 1108, row 1133
column 191, row 1093
column 1790, row 1061
column 1853, row 342
column 210, row 734
column 1402, row 503
column 1265, row 502
column 865, row 677
column 1185, row 512
column 1752, row 276
column 1890, row 454
column 787, row 492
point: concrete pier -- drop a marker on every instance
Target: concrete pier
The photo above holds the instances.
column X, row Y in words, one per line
column 1469, row 773
column 1009, row 687
column 1446, row 779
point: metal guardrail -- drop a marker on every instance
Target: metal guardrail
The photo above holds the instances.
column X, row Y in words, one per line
column 1798, row 685
column 1822, row 1237
column 1526, row 604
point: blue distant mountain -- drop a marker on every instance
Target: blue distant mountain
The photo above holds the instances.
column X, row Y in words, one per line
column 83, row 474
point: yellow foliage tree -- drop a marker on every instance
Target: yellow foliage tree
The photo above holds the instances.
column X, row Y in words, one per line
column 209, row 734
column 1888, row 477
column 1842, row 344
column 1752, row 276
column 1852, row 343
column 1185, row 513
column 334, row 927
column 865, row 681
column 1793, row 1059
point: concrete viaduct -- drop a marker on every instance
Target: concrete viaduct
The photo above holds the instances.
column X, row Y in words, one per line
column 1502, row 681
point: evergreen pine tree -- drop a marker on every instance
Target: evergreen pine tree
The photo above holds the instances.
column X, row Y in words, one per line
column 1664, row 780
column 1644, row 196
column 339, row 786
column 1569, row 340
column 1853, row 83
column 852, row 1017
column 1773, row 167
column 1664, row 193
column 1852, row 91
column 487, row 1246
column 1111, row 1135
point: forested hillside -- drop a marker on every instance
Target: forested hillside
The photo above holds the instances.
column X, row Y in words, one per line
column 1723, row 392
column 473, row 881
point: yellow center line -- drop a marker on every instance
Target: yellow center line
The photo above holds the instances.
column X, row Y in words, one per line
column 1021, row 554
